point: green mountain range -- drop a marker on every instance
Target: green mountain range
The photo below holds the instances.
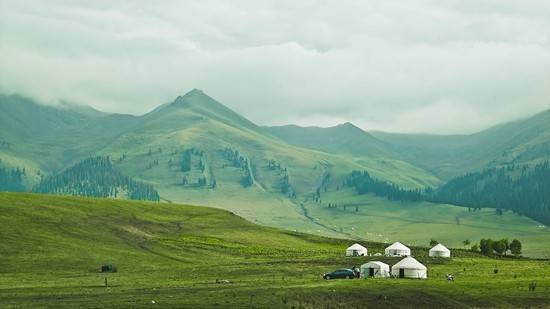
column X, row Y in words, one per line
column 525, row 141
column 195, row 150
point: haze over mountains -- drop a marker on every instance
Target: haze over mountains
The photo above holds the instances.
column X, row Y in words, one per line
column 196, row 150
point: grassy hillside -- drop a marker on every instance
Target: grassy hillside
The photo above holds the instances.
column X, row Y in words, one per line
column 198, row 121
column 52, row 248
column 519, row 142
column 46, row 139
column 150, row 149
column 153, row 153
column 523, row 190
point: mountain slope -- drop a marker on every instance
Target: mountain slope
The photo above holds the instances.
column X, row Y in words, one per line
column 49, row 138
column 196, row 150
column 519, row 142
column 344, row 138
column 197, row 121
column 211, row 137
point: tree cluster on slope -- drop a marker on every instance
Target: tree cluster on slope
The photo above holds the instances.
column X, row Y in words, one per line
column 364, row 183
column 185, row 162
column 286, row 188
column 521, row 189
column 233, row 156
column 96, row 177
column 186, row 165
column 239, row 161
column 12, row 179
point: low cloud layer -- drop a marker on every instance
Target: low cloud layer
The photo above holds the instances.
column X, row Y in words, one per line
column 407, row 66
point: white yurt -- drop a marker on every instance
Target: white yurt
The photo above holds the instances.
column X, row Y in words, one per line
column 398, row 249
column 409, row 267
column 375, row 269
column 440, row 251
column 356, row 250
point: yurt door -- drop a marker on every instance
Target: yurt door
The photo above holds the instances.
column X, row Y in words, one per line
column 371, row 272
column 401, row 273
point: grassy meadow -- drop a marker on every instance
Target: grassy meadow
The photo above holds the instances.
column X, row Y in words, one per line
column 377, row 219
column 170, row 255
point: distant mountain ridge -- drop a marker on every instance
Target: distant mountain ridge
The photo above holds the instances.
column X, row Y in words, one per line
column 525, row 141
column 343, row 138
column 222, row 149
column 72, row 132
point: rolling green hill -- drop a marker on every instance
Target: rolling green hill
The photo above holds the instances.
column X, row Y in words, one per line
column 525, row 141
column 171, row 256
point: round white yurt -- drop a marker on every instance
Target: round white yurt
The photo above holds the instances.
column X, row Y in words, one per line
column 398, row 249
column 375, row 269
column 409, row 267
column 440, row 251
column 356, row 250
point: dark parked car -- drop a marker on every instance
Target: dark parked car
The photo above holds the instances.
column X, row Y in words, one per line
column 340, row 274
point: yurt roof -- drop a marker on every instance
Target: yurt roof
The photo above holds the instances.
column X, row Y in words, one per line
column 398, row 246
column 440, row 247
column 356, row 247
column 375, row 263
column 409, row 263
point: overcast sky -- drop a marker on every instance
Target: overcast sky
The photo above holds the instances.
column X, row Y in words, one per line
column 405, row 66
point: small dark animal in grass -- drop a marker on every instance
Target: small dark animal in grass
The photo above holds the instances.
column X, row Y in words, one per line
column 532, row 286
column 222, row 281
column 108, row 268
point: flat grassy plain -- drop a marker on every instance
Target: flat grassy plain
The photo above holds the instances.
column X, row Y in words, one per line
column 170, row 255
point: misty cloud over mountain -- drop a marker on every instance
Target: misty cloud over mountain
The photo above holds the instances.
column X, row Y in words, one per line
column 453, row 67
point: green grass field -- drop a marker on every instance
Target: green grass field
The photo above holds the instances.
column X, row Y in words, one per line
column 52, row 247
column 377, row 219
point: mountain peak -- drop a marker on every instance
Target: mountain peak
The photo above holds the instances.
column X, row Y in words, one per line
column 200, row 104
column 81, row 109
column 193, row 94
column 347, row 125
column 350, row 127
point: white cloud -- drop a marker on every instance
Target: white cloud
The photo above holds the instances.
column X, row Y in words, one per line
column 431, row 66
